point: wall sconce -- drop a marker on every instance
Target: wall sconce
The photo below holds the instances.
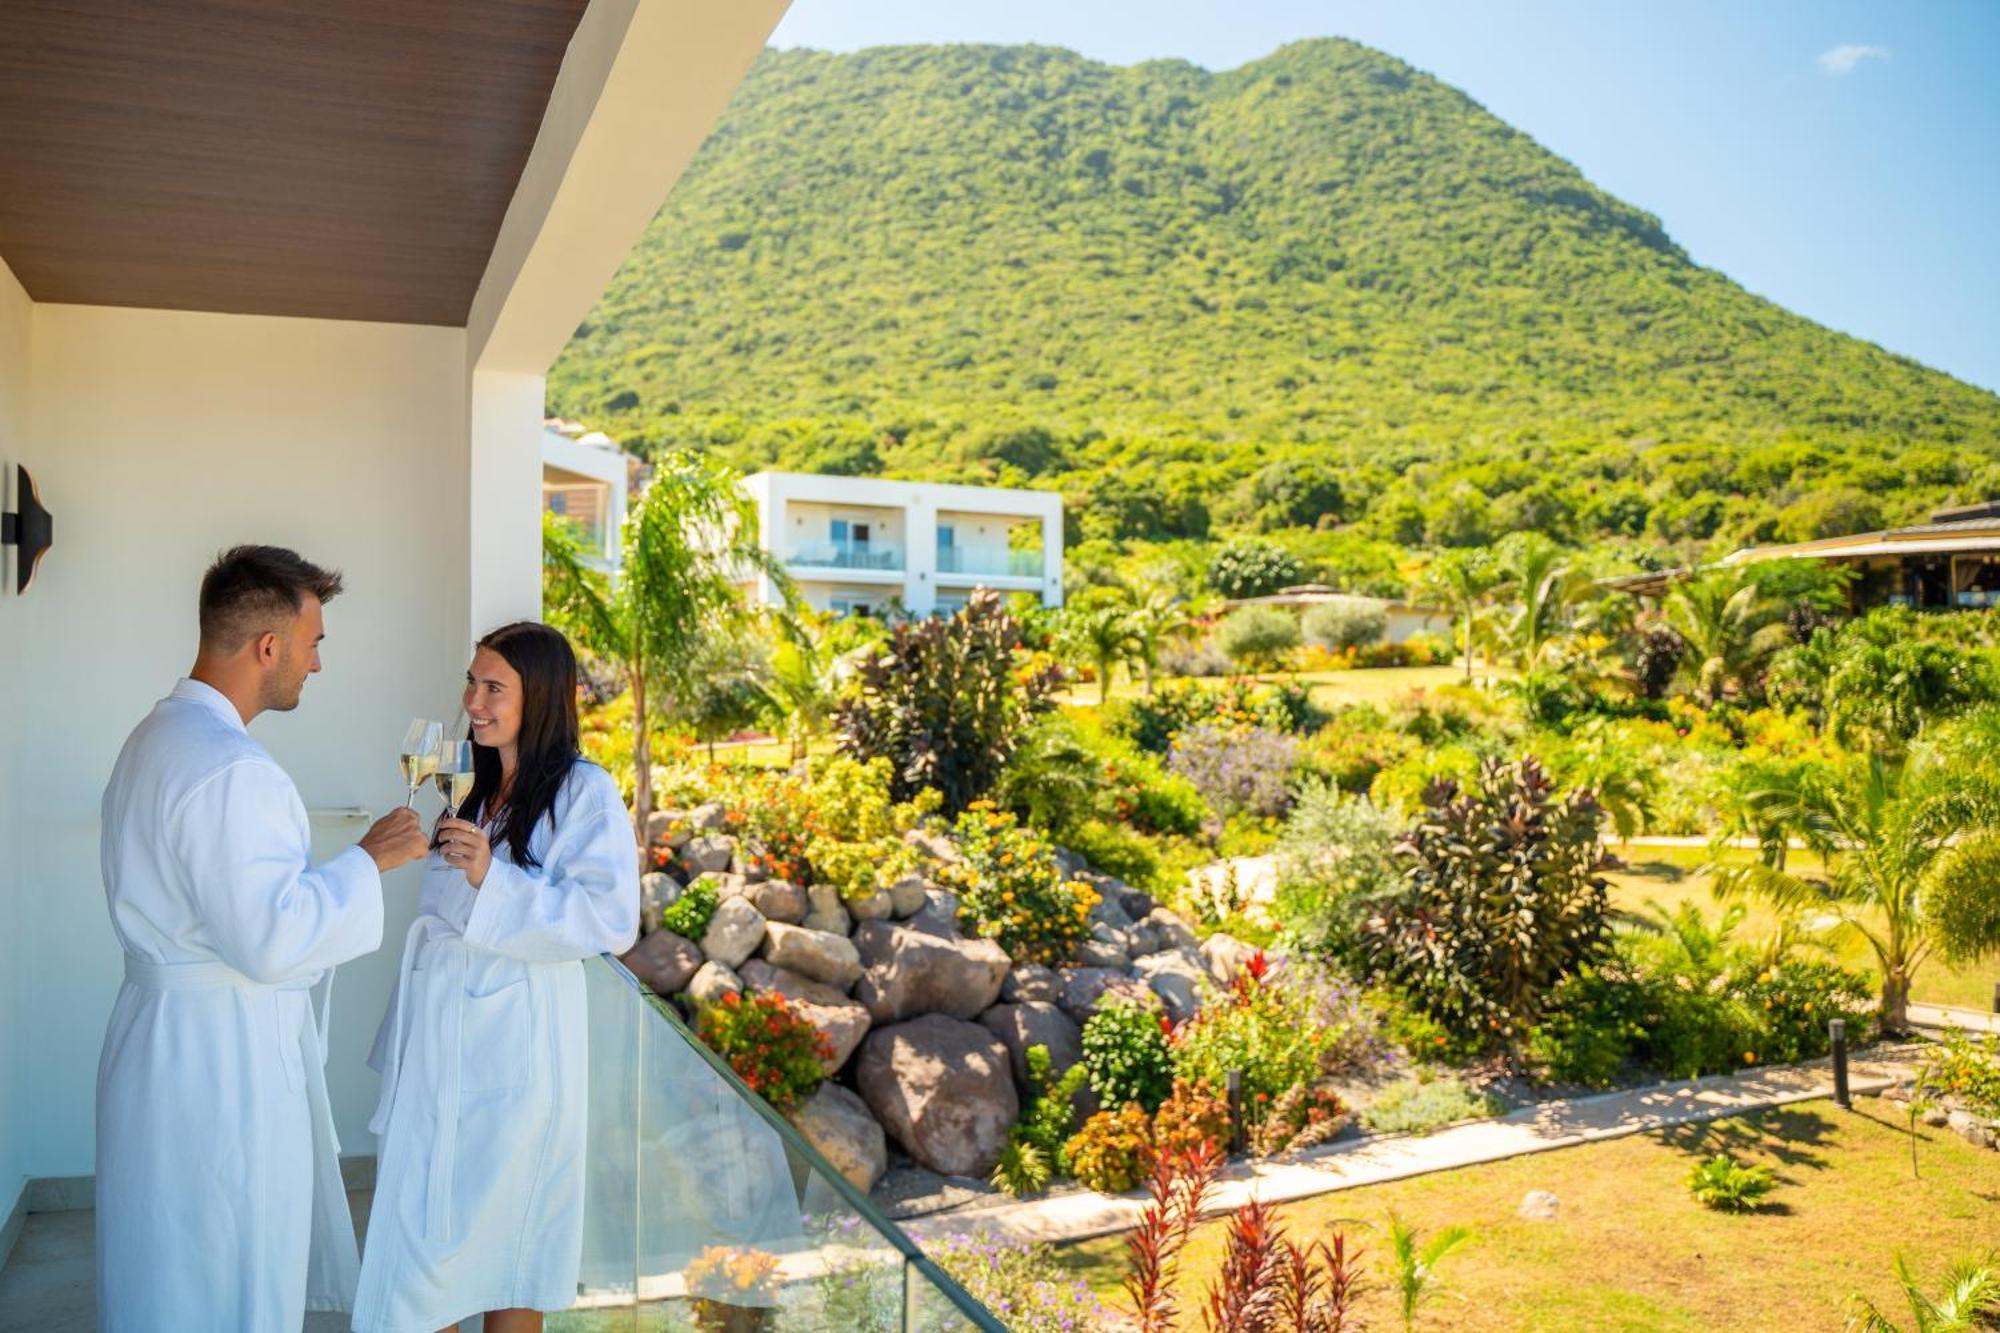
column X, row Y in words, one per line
column 30, row 529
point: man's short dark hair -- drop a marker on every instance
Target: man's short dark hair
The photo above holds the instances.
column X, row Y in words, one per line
column 253, row 590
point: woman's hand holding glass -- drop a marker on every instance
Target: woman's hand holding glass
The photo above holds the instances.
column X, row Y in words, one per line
column 463, row 845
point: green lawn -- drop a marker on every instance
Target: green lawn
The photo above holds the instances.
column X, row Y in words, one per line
column 1671, row 876
column 1631, row 1250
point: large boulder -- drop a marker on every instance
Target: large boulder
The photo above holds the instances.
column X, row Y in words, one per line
column 818, row 954
column 937, row 846
column 735, row 932
column 1084, row 988
column 712, row 982
column 843, row 1021
column 875, row 906
column 710, row 851
column 939, row 915
column 710, row 817
column 1031, row 982
column 837, row 1122
column 907, row 896
column 943, row 1090
column 910, row 972
column 779, row 900
column 1163, row 930
column 664, row 961
column 1019, row 1026
column 661, row 826
column 657, row 890
column 1226, row 956
column 1180, row 978
column 726, row 884
column 825, row 911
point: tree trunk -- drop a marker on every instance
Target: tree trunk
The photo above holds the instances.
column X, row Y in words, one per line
column 1895, row 1002
column 1146, row 667
column 642, row 755
column 1104, row 669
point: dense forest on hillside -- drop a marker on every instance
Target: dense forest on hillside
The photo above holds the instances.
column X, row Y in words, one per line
column 1323, row 295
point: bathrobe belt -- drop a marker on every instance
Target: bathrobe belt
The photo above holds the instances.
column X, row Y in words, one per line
column 450, row 954
column 335, row 1268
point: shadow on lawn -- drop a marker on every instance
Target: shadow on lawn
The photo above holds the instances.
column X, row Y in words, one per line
column 1787, row 1135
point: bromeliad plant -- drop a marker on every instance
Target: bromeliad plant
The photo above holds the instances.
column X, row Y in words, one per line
column 1721, row 1184
column 1011, row 889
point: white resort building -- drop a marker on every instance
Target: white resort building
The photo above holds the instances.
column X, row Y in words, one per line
column 585, row 479
column 859, row 545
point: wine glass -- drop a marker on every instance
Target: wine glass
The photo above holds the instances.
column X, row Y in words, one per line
column 454, row 774
column 419, row 755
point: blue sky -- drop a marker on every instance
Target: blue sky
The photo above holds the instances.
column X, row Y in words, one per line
column 1842, row 159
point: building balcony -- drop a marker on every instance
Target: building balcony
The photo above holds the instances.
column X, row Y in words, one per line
column 989, row 563
column 846, row 555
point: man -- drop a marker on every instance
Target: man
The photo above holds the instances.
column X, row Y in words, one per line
column 218, row 1177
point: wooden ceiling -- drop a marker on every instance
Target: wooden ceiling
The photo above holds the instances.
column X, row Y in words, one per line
column 339, row 159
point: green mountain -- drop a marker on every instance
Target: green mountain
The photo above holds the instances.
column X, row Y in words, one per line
column 1323, row 289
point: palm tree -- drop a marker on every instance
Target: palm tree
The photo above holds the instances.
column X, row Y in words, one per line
column 1461, row 579
column 1898, row 841
column 688, row 543
column 1155, row 620
column 1099, row 630
column 1541, row 580
column 808, row 667
column 1971, row 1300
column 1728, row 627
column 1413, row 1265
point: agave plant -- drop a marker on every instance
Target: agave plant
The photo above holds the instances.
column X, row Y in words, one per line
column 1970, row 1300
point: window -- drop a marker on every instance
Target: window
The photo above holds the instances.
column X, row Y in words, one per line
column 558, row 502
column 838, row 529
column 947, row 537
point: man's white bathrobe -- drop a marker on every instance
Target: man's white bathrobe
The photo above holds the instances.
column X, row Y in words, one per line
column 217, row 1169
column 479, row 1190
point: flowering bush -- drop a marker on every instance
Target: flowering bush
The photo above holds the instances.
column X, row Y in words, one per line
column 1789, row 1005
column 688, row 915
column 774, row 1051
column 1261, row 1030
column 1113, row 1150
column 1010, row 888
column 1243, row 768
column 1964, row 1067
column 1125, row 1051
column 727, row 1284
column 1193, row 1113
column 1022, row 1284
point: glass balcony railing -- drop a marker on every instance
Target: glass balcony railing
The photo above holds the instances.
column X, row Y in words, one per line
column 970, row 560
column 705, row 1209
column 846, row 555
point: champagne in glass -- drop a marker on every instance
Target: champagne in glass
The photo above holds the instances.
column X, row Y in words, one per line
column 419, row 755
column 454, row 774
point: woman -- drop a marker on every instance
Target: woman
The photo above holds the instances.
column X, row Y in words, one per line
column 479, row 1194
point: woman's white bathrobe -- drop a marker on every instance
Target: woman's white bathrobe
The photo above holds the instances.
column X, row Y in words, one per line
column 219, row 1201
column 479, row 1190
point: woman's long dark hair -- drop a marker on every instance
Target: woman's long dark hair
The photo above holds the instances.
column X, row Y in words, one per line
column 548, row 741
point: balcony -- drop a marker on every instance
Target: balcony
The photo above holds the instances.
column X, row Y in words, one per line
column 989, row 563
column 847, row 555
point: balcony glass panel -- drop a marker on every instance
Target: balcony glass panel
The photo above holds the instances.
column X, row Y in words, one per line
column 704, row 1209
column 974, row 560
column 846, row 555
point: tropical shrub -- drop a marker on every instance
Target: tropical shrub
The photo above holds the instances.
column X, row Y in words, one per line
column 778, row 1055
column 1336, row 864
column 943, row 702
column 1193, row 1113
column 1302, row 1117
column 1970, row 1302
column 1721, row 1184
column 1503, row 901
column 1257, row 638
column 1351, row 1024
column 1594, row 1023
column 1261, row 1029
column 1239, row 769
column 1113, row 1150
column 1126, row 1056
column 1022, row 1169
column 688, row 915
column 1344, row 624
column 1117, row 849
column 1034, row 1149
column 1964, row 1067
column 1010, row 888
column 1419, row 1103
column 1791, row 1003
column 1023, row 1285
column 1246, row 568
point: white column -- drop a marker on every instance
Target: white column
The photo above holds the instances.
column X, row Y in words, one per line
column 772, row 533
column 920, row 555
column 504, row 496
column 1052, row 553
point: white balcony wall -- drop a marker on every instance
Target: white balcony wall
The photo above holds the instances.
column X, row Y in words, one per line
column 809, row 539
column 16, row 315
column 980, row 545
column 157, row 438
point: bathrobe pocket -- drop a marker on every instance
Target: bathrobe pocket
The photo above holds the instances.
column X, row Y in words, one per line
column 497, row 1037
